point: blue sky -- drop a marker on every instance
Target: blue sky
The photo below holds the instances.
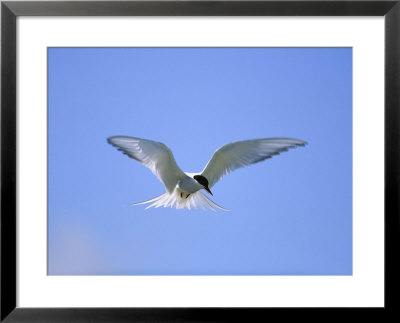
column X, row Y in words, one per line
column 289, row 215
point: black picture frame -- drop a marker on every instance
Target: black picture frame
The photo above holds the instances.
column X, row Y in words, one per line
column 10, row 10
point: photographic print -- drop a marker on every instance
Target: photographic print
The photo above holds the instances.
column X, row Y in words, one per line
column 200, row 161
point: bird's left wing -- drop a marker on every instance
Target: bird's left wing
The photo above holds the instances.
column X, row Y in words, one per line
column 154, row 155
column 243, row 153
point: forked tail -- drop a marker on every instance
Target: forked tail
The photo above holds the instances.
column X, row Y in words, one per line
column 194, row 201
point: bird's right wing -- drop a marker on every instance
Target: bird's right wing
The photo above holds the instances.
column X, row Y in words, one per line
column 243, row 153
column 154, row 155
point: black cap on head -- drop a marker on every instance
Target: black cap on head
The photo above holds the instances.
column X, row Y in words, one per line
column 201, row 179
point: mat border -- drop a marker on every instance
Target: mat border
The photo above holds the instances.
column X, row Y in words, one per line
column 10, row 10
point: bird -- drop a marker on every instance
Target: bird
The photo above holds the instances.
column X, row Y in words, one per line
column 183, row 188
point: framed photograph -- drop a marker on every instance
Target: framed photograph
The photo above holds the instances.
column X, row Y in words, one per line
column 270, row 132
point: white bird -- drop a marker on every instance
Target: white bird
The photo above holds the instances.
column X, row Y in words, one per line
column 183, row 189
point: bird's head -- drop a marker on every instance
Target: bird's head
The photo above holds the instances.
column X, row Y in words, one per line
column 203, row 181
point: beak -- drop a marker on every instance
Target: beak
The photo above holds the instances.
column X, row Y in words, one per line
column 208, row 190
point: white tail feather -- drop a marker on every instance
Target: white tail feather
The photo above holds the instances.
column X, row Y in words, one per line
column 174, row 200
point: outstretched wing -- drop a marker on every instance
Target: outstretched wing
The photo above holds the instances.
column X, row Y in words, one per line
column 243, row 153
column 154, row 155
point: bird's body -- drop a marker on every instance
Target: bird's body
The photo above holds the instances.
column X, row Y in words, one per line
column 188, row 185
column 183, row 189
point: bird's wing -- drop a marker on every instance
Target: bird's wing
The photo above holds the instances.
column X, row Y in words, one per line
column 154, row 155
column 243, row 153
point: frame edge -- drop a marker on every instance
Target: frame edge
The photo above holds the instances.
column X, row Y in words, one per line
column 392, row 157
column 8, row 161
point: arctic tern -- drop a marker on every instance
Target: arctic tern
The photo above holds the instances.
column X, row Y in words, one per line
column 183, row 189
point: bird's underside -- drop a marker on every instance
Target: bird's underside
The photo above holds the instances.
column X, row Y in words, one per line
column 183, row 189
column 182, row 200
